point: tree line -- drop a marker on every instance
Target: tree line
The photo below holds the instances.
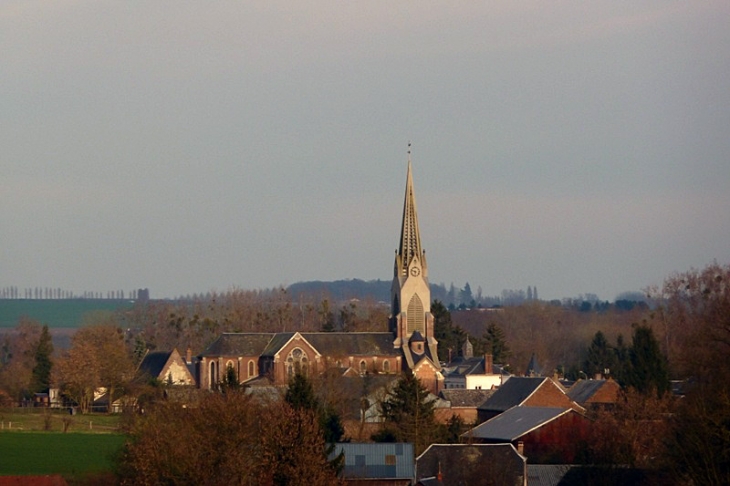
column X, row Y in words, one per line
column 57, row 293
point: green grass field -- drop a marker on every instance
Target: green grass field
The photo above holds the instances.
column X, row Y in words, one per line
column 35, row 420
column 67, row 313
column 75, row 454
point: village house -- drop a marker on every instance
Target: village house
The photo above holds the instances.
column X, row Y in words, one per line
column 526, row 392
column 469, row 372
column 462, row 403
column 595, row 395
column 542, row 434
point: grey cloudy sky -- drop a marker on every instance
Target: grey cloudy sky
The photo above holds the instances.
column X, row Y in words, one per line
column 190, row 146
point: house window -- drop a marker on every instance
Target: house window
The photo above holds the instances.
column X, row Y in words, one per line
column 297, row 362
column 386, row 366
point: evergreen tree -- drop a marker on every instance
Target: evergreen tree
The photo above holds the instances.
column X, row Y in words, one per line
column 409, row 414
column 621, row 352
column 229, row 383
column 41, row 377
column 450, row 338
column 601, row 356
column 454, row 428
column 465, row 295
column 300, row 394
column 493, row 342
column 648, row 368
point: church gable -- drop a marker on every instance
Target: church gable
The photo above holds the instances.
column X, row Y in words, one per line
column 168, row 367
column 176, row 371
column 296, row 355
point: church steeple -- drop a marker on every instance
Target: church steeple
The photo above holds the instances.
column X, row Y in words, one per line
column 410, row 292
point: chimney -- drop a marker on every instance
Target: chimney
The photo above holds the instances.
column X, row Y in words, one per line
column 521, row 447
column 189, row 355
column 488, row 365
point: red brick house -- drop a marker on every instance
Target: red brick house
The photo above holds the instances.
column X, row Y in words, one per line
column 595, row 394
column 546, row 435
column 526, row 392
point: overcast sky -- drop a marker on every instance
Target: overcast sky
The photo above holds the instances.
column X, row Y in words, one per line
column 191, row 146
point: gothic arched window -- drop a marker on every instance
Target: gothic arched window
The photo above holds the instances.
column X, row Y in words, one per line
column 386, row 366
column 297, row 362
column 251, row 368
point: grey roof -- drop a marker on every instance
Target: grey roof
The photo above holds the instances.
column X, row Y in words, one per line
column 511, row 393
column 470, row 463
column 466, row 366
column 583, row 390
column 546, row 474
column 276, row 343
column 153, row 363
column 352, row 343
column 369, row 461
column 466, row 398
column 515, row 422
column 327, row 343
column 239, row 344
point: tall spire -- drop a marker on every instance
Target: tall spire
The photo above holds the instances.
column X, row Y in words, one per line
column 410, row 236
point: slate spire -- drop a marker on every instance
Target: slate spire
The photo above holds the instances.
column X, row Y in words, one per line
column 410, row 235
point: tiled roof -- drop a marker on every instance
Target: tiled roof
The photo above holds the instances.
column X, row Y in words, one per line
column 239, row 344
column 583, row 390
column 466, row 398
column 511, row 393
column 464, row 463
column 546, row 474
column 515, row 423
column 276, row 343
column 153, row 363
column 352, row 343
column 466, row 366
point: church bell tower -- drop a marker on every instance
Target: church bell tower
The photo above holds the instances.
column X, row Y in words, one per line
column 411, row 320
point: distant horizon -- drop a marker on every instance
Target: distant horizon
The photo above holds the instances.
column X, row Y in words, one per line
column 127, row 294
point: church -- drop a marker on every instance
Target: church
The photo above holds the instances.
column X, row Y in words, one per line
column 409, row 344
